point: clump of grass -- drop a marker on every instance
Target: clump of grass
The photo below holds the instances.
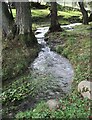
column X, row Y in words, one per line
column 59, row 49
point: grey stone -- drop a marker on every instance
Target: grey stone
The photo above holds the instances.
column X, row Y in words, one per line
column 85, row 88
column 53, row 104
column 51, row 93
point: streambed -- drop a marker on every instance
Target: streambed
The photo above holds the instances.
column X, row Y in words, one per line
column 53, row 71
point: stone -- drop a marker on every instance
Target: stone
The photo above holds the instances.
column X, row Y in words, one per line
column 53, row 104
column 57, row 93
column 85, row 88
column 51, row 93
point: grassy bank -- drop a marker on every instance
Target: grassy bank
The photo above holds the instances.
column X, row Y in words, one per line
column 18, row 94
column 41, row 17
column 75, row 45
column 16, row 58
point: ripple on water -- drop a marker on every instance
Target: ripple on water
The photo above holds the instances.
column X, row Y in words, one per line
column 51, row 63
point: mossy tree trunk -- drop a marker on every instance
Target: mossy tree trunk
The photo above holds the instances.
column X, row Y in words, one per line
column 84, row 13
column 55, row 26
column 24, row 23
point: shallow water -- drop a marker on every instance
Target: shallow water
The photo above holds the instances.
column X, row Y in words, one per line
column 49, row 63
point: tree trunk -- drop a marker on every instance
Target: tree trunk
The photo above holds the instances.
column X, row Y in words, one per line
column 24, row 23
column 55, row 26
column 7, row 20
column 90, row 18
column 10, row 8
column 84, row 13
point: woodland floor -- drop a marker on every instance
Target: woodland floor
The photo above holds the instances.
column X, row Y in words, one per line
column 17, row 96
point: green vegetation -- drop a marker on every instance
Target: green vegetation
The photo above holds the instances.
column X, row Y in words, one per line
column 72, row 107
column 42, row 17
column 16, row 57
column 30, row 85
column 75, row 45
column 14, row 12
column 45, row 12
column 40, row 13
column 64, row 17
column 69, row 13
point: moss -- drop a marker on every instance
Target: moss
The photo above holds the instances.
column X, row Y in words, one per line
column 29, row 39
column 16, row 57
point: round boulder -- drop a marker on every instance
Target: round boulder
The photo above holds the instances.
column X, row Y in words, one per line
column 53, row 104
column 85, row 88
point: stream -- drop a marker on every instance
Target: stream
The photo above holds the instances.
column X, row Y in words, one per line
column 51, row 75
column 55, row 70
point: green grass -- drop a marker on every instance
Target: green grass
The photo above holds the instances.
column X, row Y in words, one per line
column 45, row 12
column 71, row 108
column 16, row 58
column 35, row 13
column 39, row 17
column 40, row 13
column 14, row 12
column 76, row 47
column 69, row 14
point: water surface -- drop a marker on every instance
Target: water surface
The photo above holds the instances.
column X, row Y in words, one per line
column 56, row 68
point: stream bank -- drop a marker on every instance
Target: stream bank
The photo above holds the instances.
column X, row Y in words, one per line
column 27, row 87
column 75, row 45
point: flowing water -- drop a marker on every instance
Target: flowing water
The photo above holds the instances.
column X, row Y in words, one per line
column 51, row 73
column 56, row 68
